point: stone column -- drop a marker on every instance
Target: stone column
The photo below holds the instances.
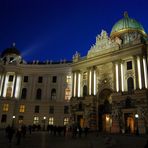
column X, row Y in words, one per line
column 114, row 75
column 145, row 72
column 14, row 86
column 88, row 70
column 119, row 76
column 3, row 85
column 92, row 81
column 136, row 72
column 117, row 79
column 142, row 72
column 78, row 84
column 72, row 84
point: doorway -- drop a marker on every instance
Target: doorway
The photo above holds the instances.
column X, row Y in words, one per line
column 129, row 123
column 104, row 110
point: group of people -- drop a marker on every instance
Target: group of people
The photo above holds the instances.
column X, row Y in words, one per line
column 19, row 132
column 74, row 130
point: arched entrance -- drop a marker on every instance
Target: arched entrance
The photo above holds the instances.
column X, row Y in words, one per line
column 104, row 110
column 129, row 122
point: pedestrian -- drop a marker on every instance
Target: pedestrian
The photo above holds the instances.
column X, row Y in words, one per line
column 30, row 129
column 10, row 133
column 86, row 131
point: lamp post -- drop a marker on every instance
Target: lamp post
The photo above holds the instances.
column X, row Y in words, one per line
column 13, row 119
column 137, row 129
column 44, row 122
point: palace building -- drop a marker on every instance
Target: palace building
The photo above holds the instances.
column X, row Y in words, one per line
column 107, row 90
column 110, row 84
column 33, row 93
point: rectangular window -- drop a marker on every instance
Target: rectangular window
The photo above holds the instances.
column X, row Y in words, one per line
column 5, row 107
column 22, row 109
column 4, row 118
column 66, row 121
column 68, row 79
column 11, row 78
column 54, row 79
column 36, row 120
column 25, row 78
column 37, row 109
column 51, row 109
column 40, row 79
column 20, row 119
column 66, row 109
column 129, row 65
column 51, row 121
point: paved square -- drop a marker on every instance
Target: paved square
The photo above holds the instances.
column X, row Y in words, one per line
column 45, row 140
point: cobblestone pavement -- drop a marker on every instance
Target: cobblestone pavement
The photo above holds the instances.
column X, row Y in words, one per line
column 44, row 140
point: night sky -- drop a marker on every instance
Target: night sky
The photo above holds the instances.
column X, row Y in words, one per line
column 56, row 29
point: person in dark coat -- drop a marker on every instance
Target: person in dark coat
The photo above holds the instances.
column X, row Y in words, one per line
column 10, row 132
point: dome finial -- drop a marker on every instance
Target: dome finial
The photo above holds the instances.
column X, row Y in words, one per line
column 125, row 14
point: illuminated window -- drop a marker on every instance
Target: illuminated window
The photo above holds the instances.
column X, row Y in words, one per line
column 51, row 121
column 36, row 120
column 5, row 107
column 22, row 109
column 67, row 94
column 68, row 79
column 66, row 121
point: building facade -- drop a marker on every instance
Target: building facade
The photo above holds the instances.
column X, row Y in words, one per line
column 110, row 84
column 33, row 93
column 107, row 90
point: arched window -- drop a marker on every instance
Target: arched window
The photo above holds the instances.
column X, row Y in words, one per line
column 38, row 94
column 130, row 84
column 24, row 93
column 84, row 90
column 53, row 94
column 9, row 92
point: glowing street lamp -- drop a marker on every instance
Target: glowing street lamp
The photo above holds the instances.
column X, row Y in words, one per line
column 13, row 119
column 137, row 130
column 44, row 121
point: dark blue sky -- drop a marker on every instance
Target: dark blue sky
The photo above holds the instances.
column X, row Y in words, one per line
column 56, row 29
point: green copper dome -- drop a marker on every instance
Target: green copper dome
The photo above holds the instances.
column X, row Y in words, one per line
column 126, row 25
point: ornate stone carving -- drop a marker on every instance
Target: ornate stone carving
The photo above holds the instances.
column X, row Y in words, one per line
column 103, row 43
column 132, row 38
